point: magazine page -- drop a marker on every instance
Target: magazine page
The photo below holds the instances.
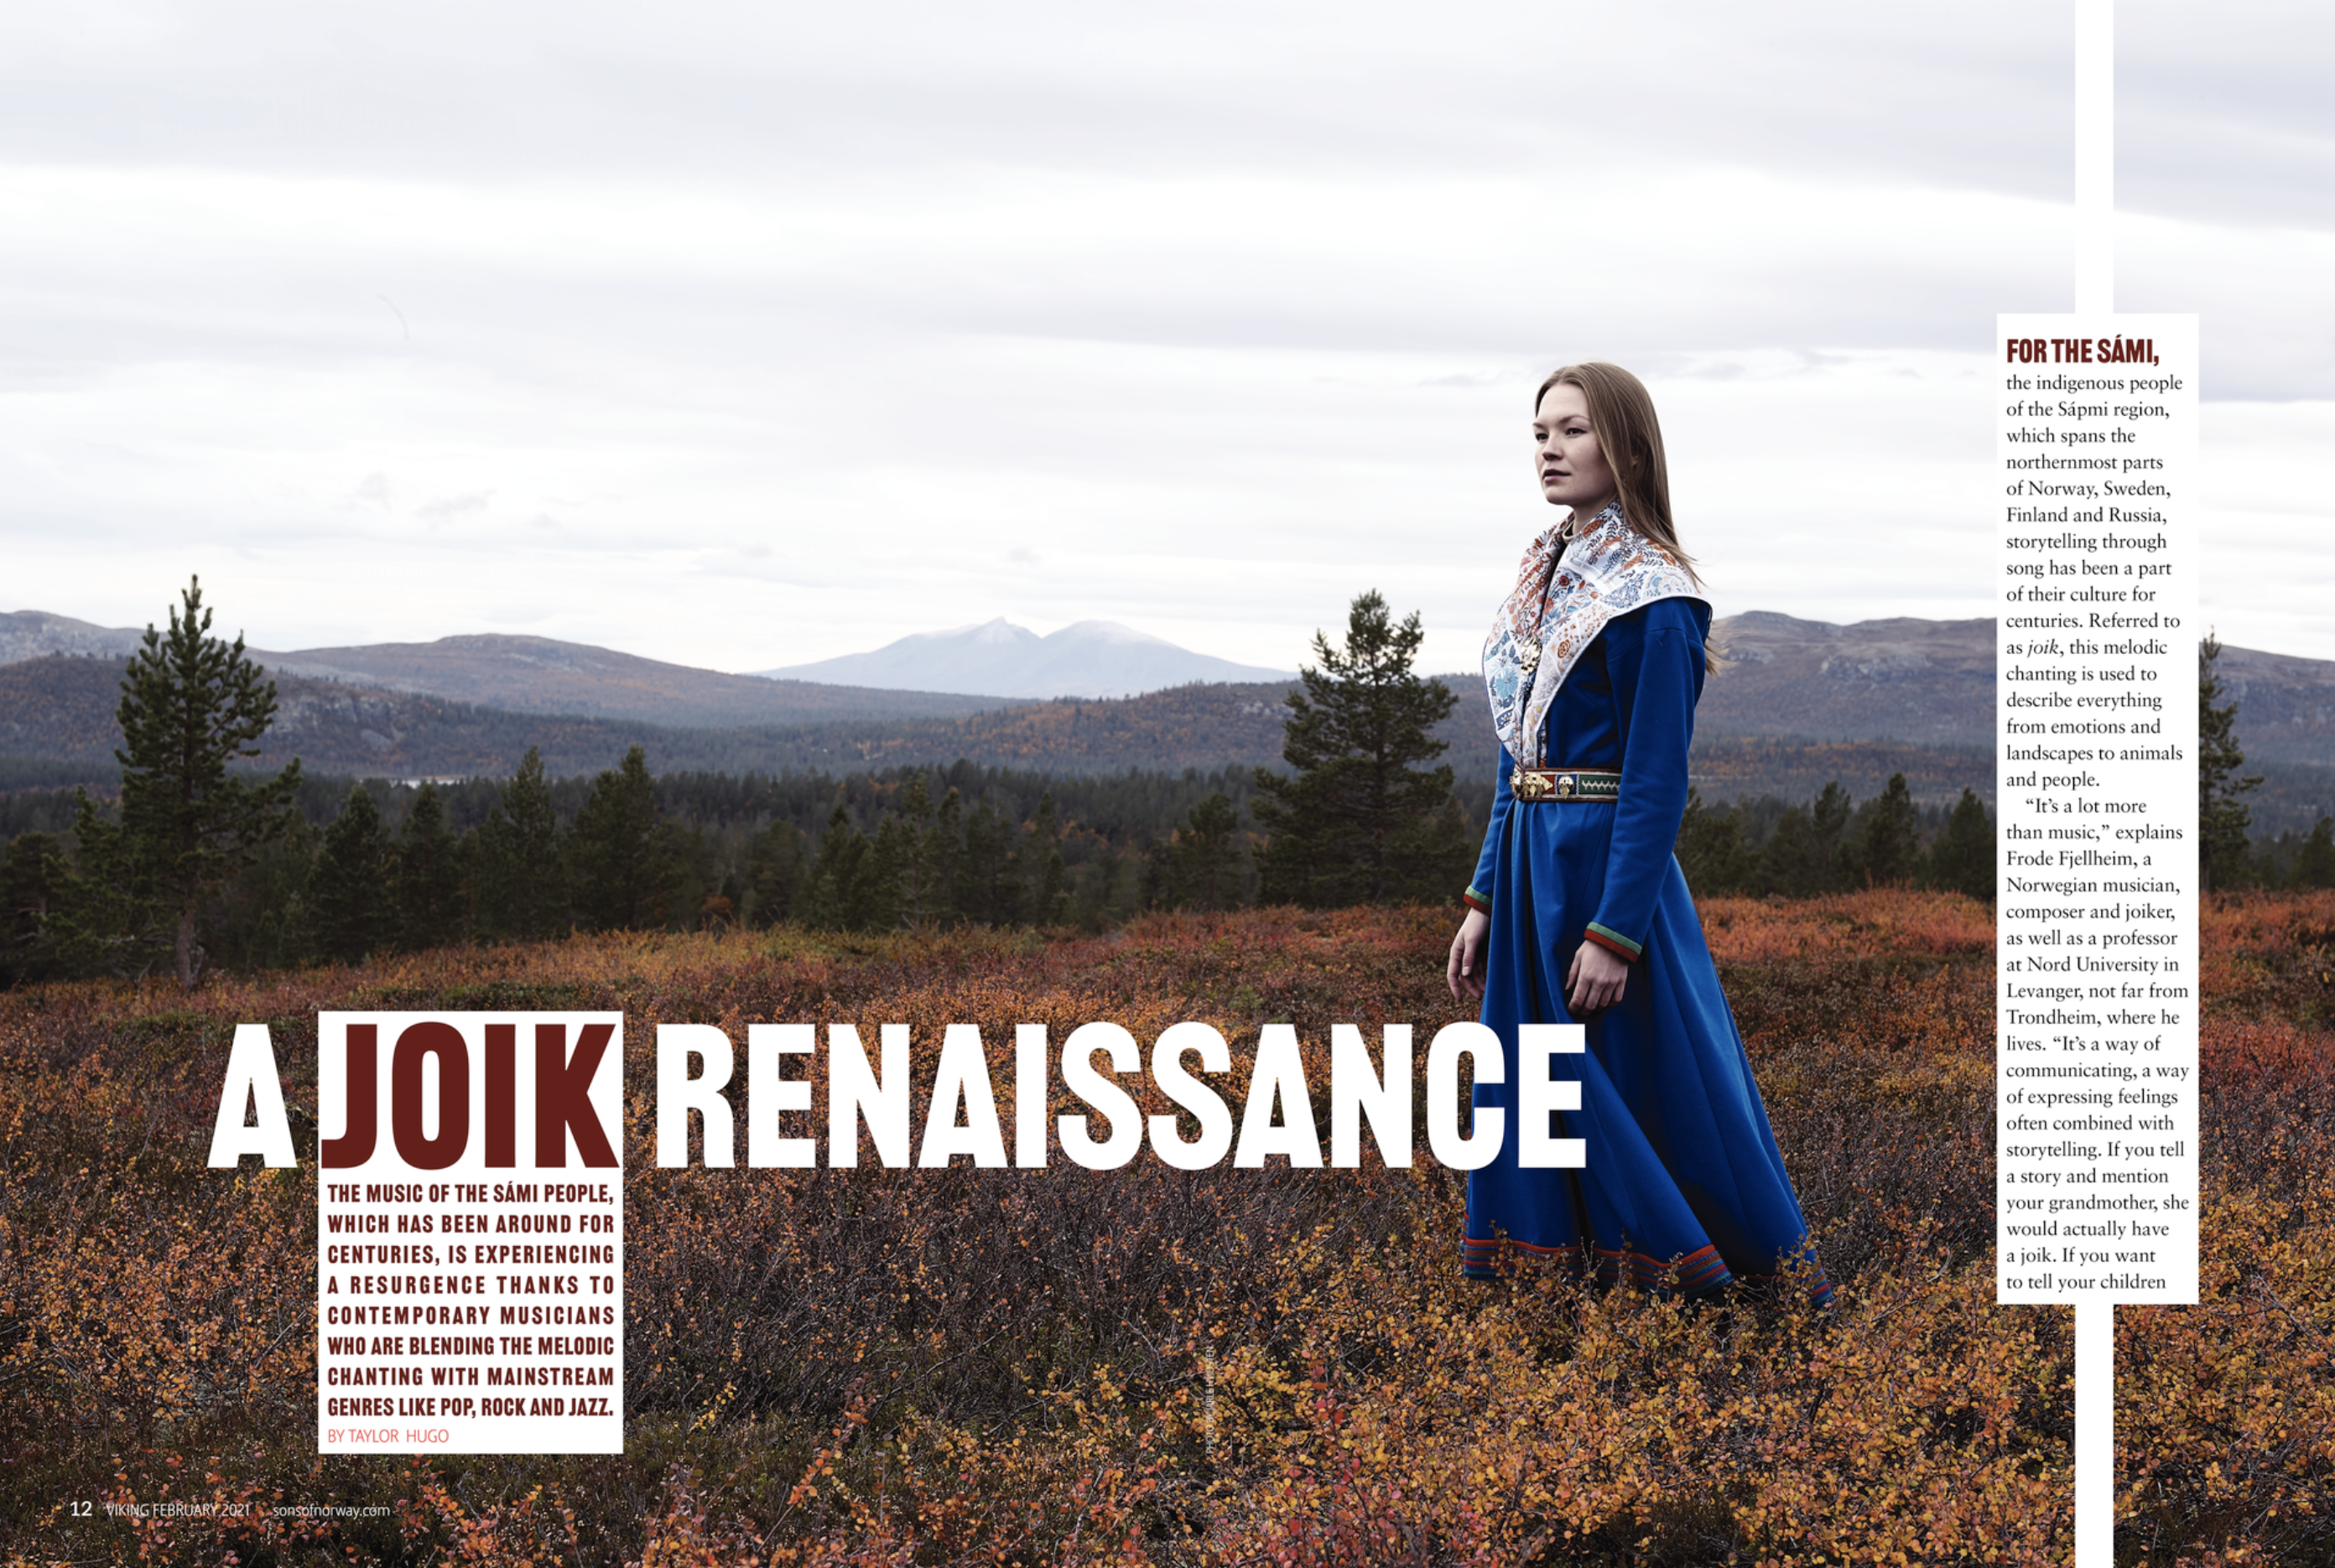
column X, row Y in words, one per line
column 1211, row 785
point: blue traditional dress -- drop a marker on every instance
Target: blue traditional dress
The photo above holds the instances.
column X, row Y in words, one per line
column 1596, row 663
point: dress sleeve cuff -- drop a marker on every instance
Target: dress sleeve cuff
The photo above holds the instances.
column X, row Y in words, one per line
column 1613, row 941
column 1475, row 900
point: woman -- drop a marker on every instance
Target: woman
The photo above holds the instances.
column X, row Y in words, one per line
column 1594, row 666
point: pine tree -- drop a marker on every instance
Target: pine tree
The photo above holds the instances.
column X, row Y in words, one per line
column 190, row 705
column 1828, row 817
column 1891, row 849
column 774, row 873
column 1963, row 859
column 1712, row 851
column 1204, row 865
column 356, row 911
column 1042, row 883
column 2314, row 866
column 2222, row 817
column 944, row 857
column 1805, row 855
column 30, row 873
column 892, row 851
column 275, row 891
column 1355, row 820
column 1448, row 848
column 839, row 897
column 986, row 894
column 1790, row 863
column 521, row 870
column 684, row 856
column 622, row 883
column 919, row 864
column 429, row 877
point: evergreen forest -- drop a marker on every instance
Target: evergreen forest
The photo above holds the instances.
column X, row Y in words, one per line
column 200, row 861
column 212, row 863
column 372, row 865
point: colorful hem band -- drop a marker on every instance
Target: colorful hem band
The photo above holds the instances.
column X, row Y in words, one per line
column 1613, row 941
column 1475, row 900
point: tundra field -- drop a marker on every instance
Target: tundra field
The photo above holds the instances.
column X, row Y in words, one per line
column 869, row 1366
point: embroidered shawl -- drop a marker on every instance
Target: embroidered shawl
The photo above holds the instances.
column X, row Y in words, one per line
column 1563, row 599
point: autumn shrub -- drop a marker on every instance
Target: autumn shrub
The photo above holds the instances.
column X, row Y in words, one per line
column 2269, row 957
column 2225, row 1410
column 870, row 1366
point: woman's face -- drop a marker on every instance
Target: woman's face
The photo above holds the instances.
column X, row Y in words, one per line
column 1572, row 472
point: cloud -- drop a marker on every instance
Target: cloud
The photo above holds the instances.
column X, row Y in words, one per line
column 456, row 506
column 776, row 335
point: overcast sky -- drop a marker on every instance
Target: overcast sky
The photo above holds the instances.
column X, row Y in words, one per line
column 748, row 336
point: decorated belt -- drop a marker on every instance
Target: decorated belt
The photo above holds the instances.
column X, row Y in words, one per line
column 1565, row 784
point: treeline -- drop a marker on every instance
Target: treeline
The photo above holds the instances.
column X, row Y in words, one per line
column 371, row 867
column 2230, row 855
column 200, row 860
column 212, row 866
column 2291, row 859
column 1834, row 844
column 196, row 861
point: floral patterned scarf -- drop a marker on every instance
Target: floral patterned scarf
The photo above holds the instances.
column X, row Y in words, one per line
column 1564, row 597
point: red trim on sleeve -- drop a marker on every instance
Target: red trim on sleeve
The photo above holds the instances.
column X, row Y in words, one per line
column 1609, row 944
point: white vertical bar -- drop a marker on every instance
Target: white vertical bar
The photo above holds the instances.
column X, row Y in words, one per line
column 2095, row 1434
column 2097, row 449
column 2095, row 157
column 2095, row 296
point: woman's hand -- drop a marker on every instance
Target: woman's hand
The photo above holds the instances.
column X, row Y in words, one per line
column 1596, row 981
column 1466, row 966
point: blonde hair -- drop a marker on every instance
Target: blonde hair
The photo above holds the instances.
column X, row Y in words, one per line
column 1621, row 412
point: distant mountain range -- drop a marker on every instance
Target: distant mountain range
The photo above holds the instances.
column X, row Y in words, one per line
column 36, row 633
column 966, row 669
column 1795, row 699
column 1089, row 659
column 1928, row 682
column 1932, row 683
column 540, row 675
column 60, row 711
column 534, row 675
column 57, row 729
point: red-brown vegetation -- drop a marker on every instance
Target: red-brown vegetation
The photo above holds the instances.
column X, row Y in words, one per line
column 862, row 1367
column 2225, row 1410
